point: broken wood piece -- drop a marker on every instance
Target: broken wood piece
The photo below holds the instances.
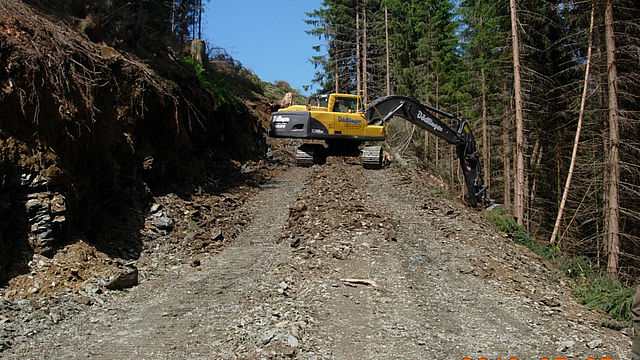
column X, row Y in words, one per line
column 360, row 282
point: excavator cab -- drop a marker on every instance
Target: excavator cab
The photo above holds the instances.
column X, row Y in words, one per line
column 345, row 103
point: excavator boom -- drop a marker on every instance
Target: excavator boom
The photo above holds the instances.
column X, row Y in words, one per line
column 381, row 110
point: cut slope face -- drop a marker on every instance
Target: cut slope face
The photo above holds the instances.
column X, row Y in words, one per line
column 88, row 133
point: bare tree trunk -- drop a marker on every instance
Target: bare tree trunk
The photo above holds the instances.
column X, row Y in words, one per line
column 574, row 153
column 426, row 134
column 386, row 38
column 517, row 85
column 485, row 134
column 534, row 185
column 613, row 160
column 506, row 153
column 527, row 197
column 531, row 176
column 199, row 19
column 335, row 72
column 605, row 178
column 173, row 18
column 364, row 48
column 437, row 105
column 358, row 58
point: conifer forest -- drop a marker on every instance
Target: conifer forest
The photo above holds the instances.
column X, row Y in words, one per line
column 552, row 89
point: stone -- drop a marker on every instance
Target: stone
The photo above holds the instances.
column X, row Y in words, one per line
column 124, row 279
column 267, row 337
column 25, row 179
column 58, row 204
column 594, row 344
column 162, row 221
column 550, row 301
column 154, row 208
column 565, row 345
column 293, row 341
column 217, row 235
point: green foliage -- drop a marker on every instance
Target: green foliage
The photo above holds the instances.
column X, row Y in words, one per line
column 505, row 223
column 598, row 291
column 591, row 286
column 211, row 81
column 278, row 89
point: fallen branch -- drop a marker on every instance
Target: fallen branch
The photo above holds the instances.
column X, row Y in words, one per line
column 352, row 282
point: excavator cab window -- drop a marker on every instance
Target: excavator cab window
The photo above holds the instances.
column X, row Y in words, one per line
column 345, row 105
column 319, row 100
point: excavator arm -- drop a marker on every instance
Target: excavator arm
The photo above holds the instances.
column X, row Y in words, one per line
column 383, row 109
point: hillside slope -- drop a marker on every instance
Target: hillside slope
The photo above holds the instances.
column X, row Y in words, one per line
column 89, row 133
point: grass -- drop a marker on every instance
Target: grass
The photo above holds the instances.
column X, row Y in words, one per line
column 591, row 286
column 210, row 80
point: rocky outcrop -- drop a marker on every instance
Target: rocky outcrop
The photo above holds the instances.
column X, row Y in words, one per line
column 46, row 212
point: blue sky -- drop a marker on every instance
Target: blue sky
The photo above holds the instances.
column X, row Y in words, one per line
column 266, row 36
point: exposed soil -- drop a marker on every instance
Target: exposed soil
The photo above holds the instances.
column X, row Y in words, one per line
column 91, row 134
column 334, row 262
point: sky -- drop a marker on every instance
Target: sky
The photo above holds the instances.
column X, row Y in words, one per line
column 266, row 36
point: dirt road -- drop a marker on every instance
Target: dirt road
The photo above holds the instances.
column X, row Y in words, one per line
column 342, row 263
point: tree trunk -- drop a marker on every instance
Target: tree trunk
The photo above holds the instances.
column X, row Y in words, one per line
column 534, row 185
column 426, row 134
column 173, row 19
column 437, row 140
column 574, row 153
column 386, row 38
column 364, row 48
column 199, row 19
column 517, row 87
column 358, row 58
column 613, row 160
column 506, row 153
column 485, row 135
column 335, row 71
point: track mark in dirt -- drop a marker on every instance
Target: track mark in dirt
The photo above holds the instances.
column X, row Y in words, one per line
column 196, row 313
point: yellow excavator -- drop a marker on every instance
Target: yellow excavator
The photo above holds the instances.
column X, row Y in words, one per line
column 344, row 123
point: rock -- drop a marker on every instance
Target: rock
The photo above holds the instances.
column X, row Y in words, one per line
column 162, row 221
column 25, row 179
column 46, row 213
column 293, row 341
column 54, row 317
column 550, row 301
column 217, row 235
column 124, row 279
column 266, row 337
column 154, row 208
column 594, row 344
column 565, row 345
